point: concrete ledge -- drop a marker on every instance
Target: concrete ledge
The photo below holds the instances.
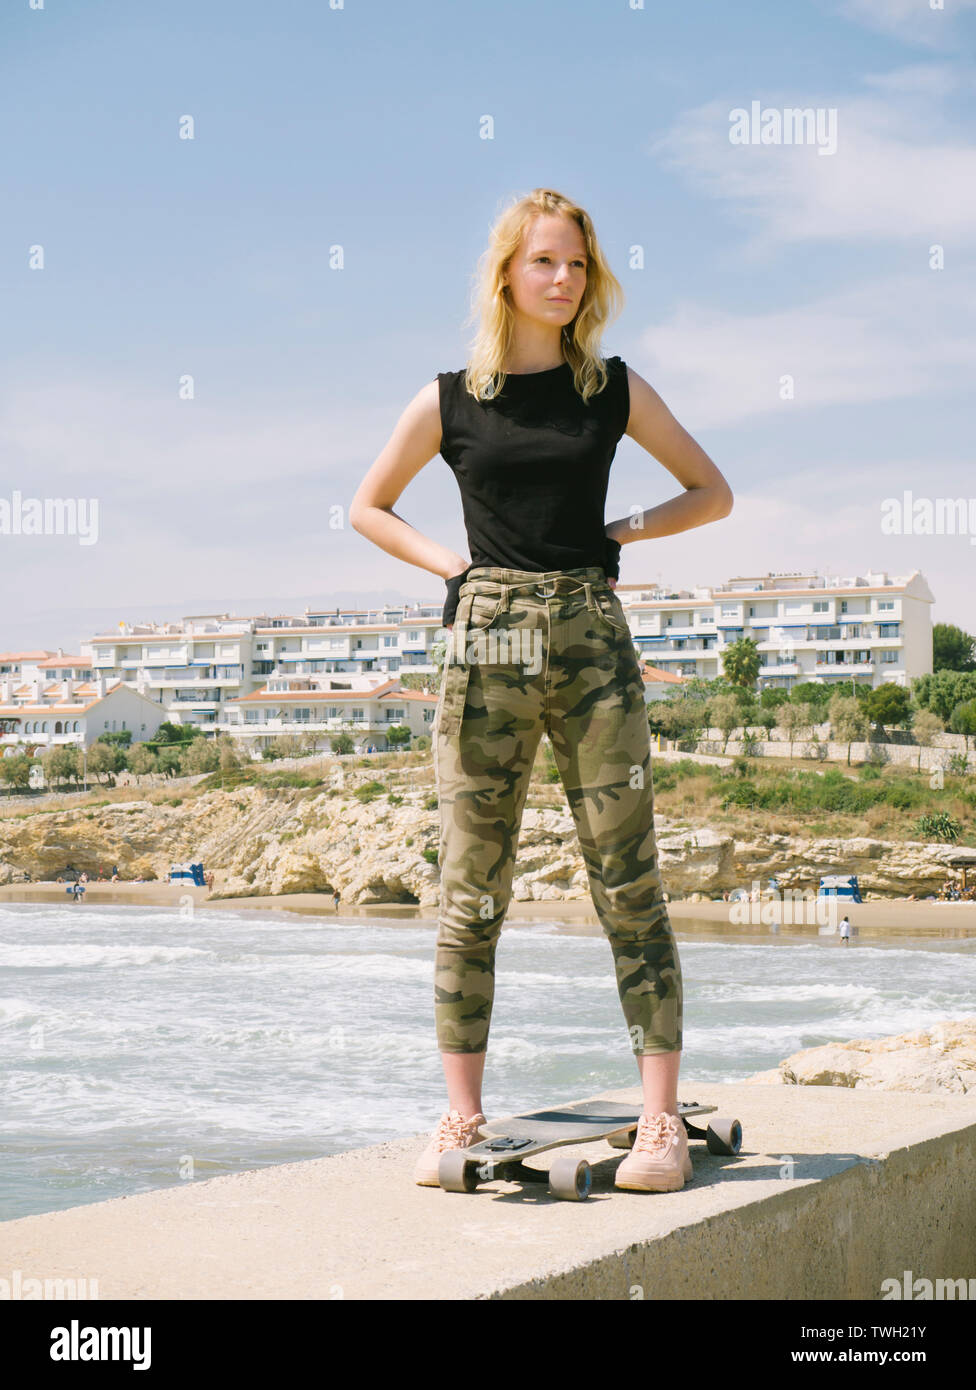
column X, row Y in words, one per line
column 835, row 1191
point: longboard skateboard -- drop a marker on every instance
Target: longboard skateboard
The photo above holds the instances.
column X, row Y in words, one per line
column 510, row 1141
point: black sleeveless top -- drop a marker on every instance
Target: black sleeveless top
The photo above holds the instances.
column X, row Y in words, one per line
column 533, row 465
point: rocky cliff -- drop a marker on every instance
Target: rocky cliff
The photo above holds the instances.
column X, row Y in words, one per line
column 936, row 1059
column 261, row 840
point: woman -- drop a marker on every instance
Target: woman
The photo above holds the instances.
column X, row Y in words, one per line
column 529, row 430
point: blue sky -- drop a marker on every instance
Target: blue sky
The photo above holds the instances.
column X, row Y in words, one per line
column 360, row 127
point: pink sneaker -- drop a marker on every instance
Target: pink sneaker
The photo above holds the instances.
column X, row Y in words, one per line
column 453, row 1132
column 659, row 1160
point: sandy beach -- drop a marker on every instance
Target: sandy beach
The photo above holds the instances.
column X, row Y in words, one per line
column 888, row 916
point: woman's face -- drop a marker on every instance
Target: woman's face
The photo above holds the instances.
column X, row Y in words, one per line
column 547, row 274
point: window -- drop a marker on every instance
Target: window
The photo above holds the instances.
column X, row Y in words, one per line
column 820, row 605
column 886, row 605
column 889, row 656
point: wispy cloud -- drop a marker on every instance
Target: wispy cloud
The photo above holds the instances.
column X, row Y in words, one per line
column 902, row 171
column 900, row 337
column 915, row 21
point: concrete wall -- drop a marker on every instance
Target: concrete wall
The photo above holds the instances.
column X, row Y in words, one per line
column 834, row 1191
column 936, row 755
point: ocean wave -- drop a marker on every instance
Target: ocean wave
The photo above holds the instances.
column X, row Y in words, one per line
column 67, row 956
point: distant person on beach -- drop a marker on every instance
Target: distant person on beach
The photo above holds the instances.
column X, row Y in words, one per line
column 115, row 873
column 845, row 931
column 335, row 898
column 529, row 427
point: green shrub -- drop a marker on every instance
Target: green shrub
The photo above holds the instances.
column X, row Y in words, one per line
column 742, row 794
column 369, row 791
column 940, row 826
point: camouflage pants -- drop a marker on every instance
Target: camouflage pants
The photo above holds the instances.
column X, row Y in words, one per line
column 531, row 654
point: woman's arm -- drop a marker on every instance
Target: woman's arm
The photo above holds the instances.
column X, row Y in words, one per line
column 415, row 440
column 707, row 495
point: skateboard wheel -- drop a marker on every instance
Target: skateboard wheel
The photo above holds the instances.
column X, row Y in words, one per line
column 723, row 1136
column 456, row 1172
column 623, row 1139
column 570, row 1178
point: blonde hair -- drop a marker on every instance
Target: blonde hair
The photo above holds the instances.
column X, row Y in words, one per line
column 602, row 299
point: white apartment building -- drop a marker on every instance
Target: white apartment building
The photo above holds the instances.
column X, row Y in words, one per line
column 41, row 713
column 13, row 663
column 190, row 668
column 197, row 668
column 871, row 630
column 201, row 670
column 362, row 706
column 56, row 666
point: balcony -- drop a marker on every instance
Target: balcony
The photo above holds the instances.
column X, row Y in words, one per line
column 841, row 668
column 324, row 726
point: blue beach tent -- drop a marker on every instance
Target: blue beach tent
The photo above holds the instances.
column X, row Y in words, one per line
column 187, row 873
column 842, row 886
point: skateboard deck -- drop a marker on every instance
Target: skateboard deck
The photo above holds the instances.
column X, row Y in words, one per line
column 512, row 1140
